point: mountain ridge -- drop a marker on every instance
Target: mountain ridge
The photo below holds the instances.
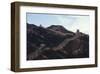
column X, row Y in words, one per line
column 53, row 37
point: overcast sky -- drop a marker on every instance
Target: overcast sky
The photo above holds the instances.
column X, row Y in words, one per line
column 70, row 22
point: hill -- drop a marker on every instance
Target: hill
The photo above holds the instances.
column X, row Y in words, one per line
column 55, row 42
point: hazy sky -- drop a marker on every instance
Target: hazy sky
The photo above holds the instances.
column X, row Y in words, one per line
column 70, row 22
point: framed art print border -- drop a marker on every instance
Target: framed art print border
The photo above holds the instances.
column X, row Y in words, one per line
column 15, row 36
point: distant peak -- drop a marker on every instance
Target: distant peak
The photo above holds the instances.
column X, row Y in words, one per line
column 56, row 27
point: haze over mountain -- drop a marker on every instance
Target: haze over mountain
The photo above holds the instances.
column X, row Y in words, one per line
column 55, row 42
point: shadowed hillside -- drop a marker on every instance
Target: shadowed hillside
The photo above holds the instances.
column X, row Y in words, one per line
column 55, row 42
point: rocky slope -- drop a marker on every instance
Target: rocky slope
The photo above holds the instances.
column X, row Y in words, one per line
column 55, row 42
